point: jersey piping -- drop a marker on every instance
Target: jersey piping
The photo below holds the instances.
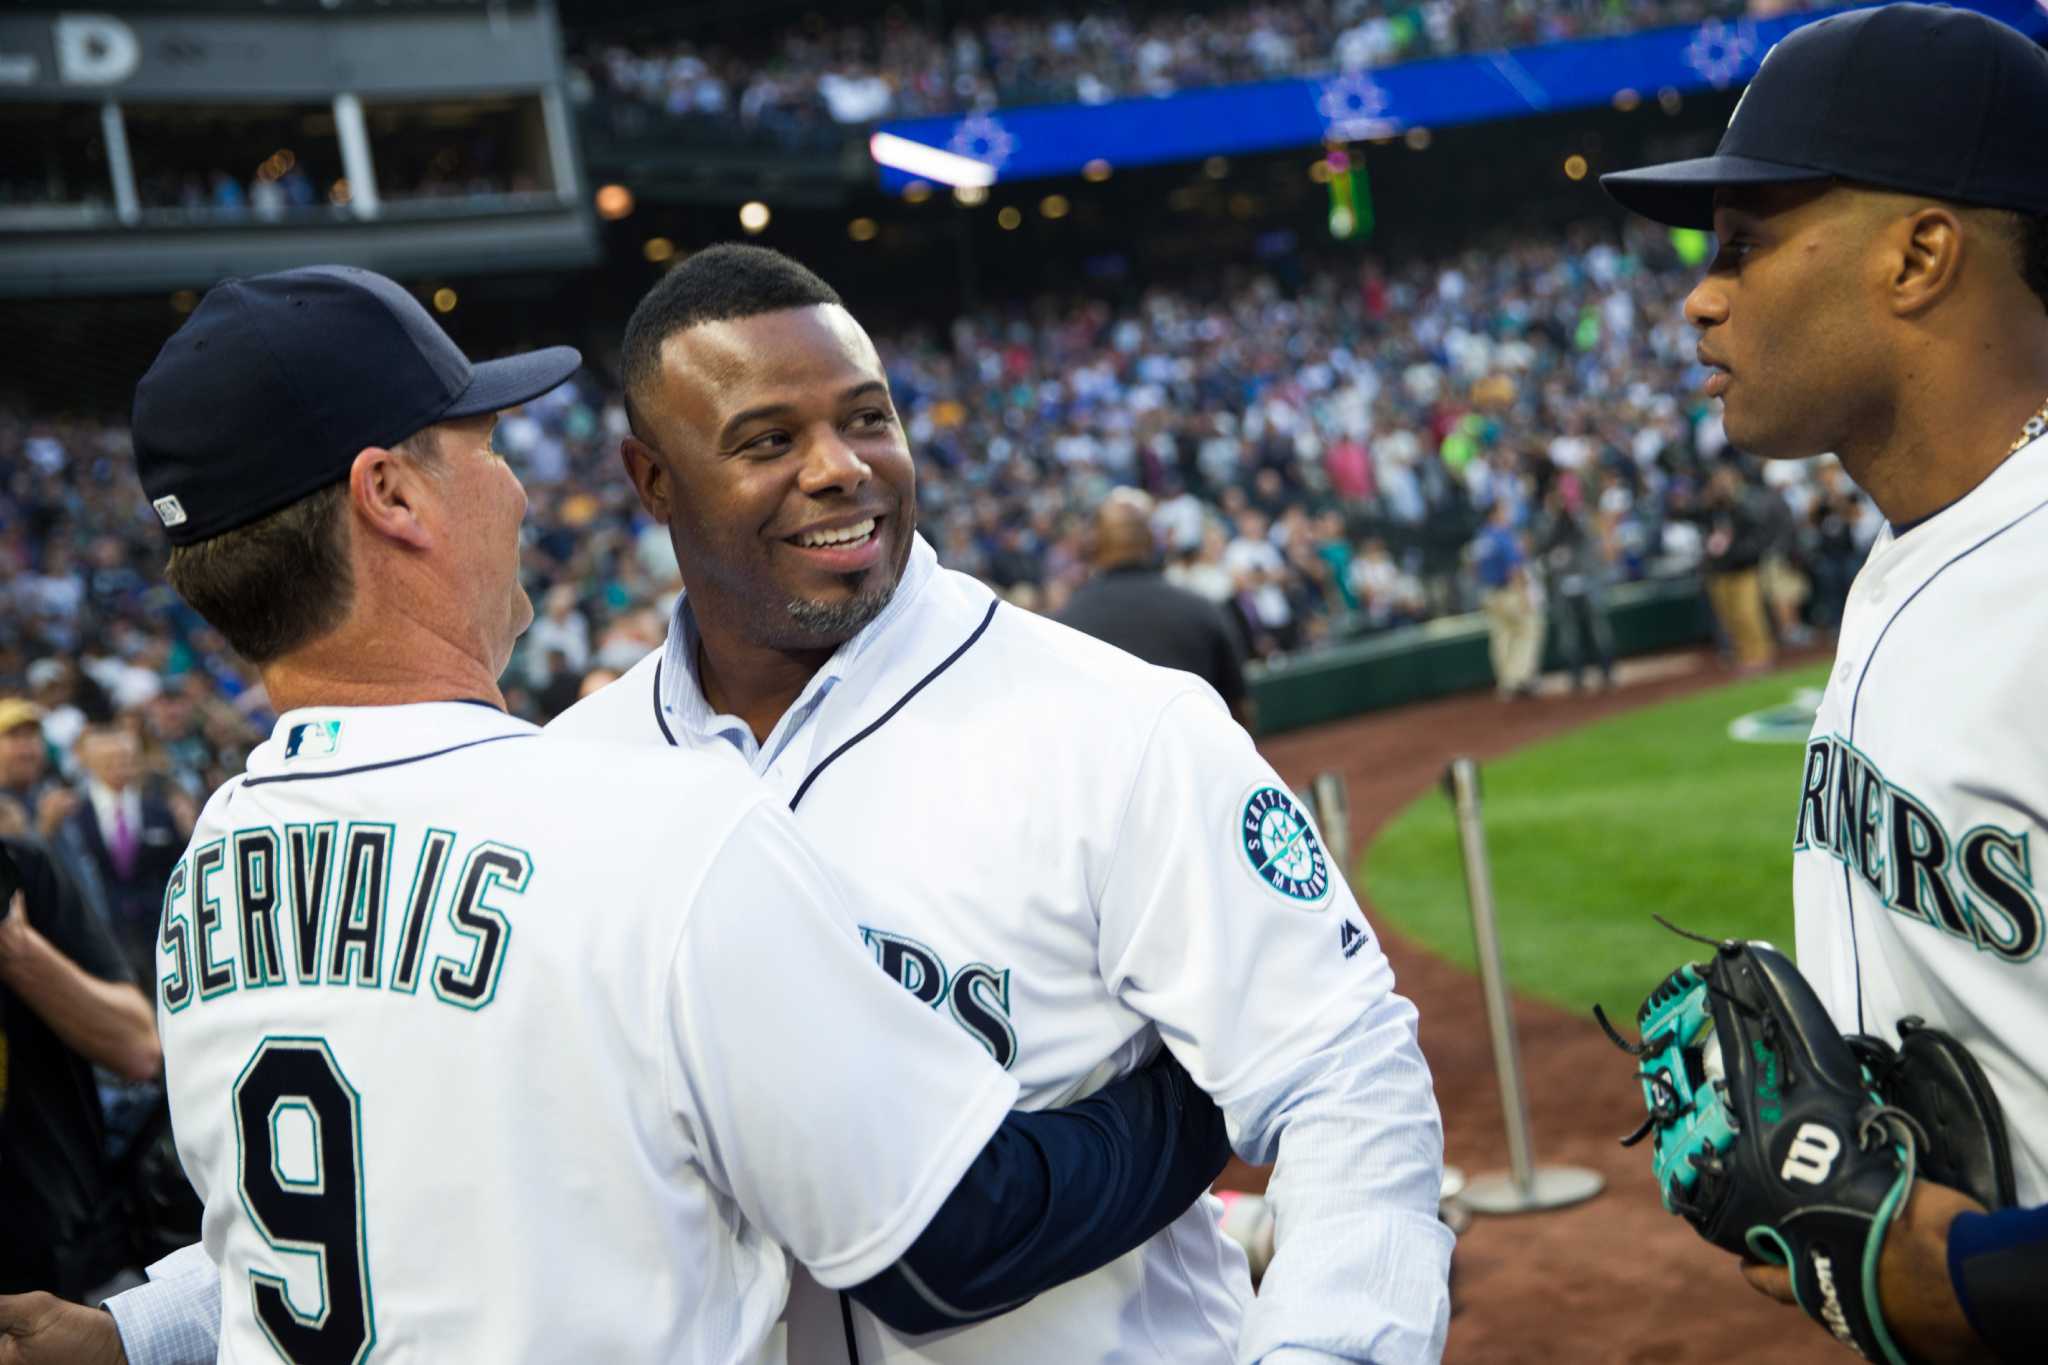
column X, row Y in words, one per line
column 1856, row 700
column 901, row 702
column 845, row 1303
column 660, row 719
column 387, row 763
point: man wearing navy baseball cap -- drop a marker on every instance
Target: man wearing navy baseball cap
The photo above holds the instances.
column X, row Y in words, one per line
column 1880, row 292
column 316, row 447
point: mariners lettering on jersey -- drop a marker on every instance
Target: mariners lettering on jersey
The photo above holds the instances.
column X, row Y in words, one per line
column 317, row 905
column 1977, row 885
column 1281, row 847
column 977, row 995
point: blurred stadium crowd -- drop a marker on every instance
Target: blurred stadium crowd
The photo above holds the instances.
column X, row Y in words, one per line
column 799, row 84
column 1325, row 447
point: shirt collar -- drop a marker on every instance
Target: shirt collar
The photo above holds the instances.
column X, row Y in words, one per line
column 2026, row 453
column 105, row 800
column 683, row 701
column 328, row 739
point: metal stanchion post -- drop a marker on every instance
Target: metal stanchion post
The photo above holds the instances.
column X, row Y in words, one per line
column 1332, row 806
column 1329, row 798
column 1525, row 1187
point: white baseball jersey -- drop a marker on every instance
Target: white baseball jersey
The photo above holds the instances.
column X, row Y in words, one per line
column 1071, row 854
column 1924, row 793
column 484, row 1046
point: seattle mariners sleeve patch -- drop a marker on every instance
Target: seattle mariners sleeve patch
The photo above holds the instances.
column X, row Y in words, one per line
column 1281, row 848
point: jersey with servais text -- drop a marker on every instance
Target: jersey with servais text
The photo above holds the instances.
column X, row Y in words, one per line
column 490, row 1046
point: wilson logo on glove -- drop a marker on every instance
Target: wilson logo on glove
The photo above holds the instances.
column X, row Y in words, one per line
column 1831, row 1315
column 1756, row 1100
column 1812, row 1158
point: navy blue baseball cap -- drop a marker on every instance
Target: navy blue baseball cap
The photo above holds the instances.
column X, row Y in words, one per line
column 277, row 382
column 1920, row 98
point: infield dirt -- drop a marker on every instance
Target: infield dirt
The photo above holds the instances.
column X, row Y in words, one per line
column 1615, row 1281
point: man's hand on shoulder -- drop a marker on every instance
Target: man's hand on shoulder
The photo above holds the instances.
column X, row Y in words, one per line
column 42, row 1329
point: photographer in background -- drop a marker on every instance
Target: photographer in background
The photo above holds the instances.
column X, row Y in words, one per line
column 66, row 1005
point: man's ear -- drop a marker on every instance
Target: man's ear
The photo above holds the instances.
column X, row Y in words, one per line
column 650, row 479
column 1928, row 263
column 385, row 492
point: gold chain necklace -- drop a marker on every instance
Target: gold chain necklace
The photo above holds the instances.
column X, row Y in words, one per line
column 2036, row 427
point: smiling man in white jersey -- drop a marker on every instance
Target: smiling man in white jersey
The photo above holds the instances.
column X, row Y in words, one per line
column 489, row 1046
column 1066, row 852
column 1881, row 292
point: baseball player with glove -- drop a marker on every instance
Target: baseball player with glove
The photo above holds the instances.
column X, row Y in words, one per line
column 1867, row 1128
column 489, row 1046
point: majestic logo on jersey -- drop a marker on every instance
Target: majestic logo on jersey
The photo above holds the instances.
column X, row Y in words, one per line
column 1281, row 846
column 977, row 995
column 313, row 739
column 1977, row 885
column 1350, row 938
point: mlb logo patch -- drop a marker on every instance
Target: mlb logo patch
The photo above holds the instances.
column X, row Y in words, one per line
column 313, row 739
column 170, row 511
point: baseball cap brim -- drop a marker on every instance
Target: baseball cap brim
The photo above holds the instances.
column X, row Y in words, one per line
column 499, row 384
column 1681, row 193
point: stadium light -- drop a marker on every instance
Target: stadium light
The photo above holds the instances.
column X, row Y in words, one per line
column 754, row 216
column 1575, row 167
column 970, row 196
column 444, row 300
column 929, row 163
column 1097, row 170
column 614, row 202
column 1009, row 219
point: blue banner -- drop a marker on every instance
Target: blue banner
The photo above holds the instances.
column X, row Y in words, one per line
column 1049, row 140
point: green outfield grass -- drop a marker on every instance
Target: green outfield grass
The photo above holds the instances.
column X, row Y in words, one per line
column 1657, row 810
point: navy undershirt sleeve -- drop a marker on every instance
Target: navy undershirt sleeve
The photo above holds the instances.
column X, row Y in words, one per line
column 1055, row 1195
column 1998, row 1263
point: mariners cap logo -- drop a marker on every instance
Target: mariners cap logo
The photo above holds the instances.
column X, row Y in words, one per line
column 313, row 739
column 1281, row 847
column 169, row 511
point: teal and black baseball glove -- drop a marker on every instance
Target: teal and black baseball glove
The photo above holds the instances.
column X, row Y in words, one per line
column 1775, row 1136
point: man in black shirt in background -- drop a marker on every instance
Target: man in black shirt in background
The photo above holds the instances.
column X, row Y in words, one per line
column 66, row 1005
column 1129, row 603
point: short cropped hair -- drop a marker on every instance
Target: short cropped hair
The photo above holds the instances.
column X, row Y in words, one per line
column 2031, row 239
column 282, row 582
column 718, row 284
